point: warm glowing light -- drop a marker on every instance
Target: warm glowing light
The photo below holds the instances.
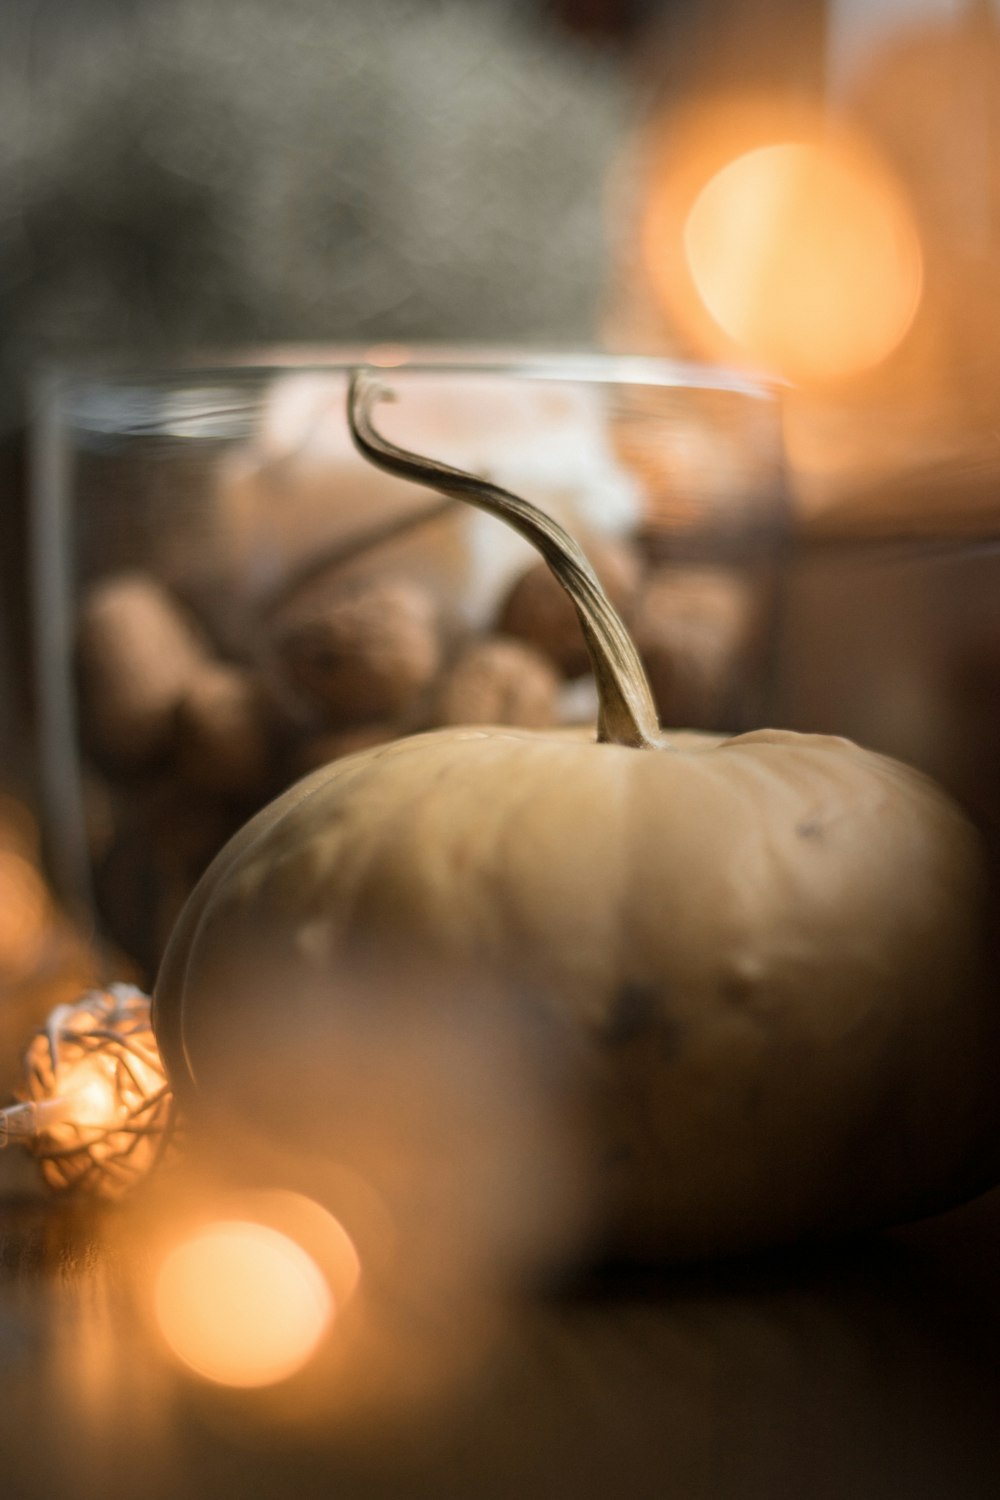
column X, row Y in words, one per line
column 806, row 255
column 313, row 1227
column 95, row 1107
column 91, row 1099
column 25, row 917
column 242, row 1304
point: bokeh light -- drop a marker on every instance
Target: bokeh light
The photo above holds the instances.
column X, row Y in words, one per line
column 25, row 917
column 807, row 256
column 242, row 1304
column 774, row 237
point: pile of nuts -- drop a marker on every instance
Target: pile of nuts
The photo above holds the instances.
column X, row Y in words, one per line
column 183, row 741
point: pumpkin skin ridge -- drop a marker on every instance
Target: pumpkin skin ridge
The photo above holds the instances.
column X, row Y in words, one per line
column 407, row 819
column 768, row 740
column 489, row 846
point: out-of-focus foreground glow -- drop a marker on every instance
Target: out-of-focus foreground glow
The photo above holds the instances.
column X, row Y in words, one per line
column 25, row 916
column 245, row 1296
column 242, row 1304
column 806, row 255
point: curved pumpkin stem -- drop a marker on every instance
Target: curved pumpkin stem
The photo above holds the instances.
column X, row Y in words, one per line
column 626, row 713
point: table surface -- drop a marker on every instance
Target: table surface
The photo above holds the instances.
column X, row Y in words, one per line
column 867, row 1370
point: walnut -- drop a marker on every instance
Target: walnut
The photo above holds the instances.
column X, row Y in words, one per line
column 367, row 652
column 498, row 680
column 137, row 654
column 224, row 732
column 692, row 628
column 538, row 610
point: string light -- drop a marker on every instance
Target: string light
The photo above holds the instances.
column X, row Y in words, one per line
column 244, row 1300
column 95, row 1107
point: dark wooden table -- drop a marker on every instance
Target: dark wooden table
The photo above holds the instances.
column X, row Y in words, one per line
column 863, row 1372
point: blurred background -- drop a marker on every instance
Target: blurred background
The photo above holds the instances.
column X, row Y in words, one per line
column 800, row 192
column 803, row 189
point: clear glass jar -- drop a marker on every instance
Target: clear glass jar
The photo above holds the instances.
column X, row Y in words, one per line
column 227, row 594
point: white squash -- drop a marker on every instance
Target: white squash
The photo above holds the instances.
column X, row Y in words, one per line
column 771, row 952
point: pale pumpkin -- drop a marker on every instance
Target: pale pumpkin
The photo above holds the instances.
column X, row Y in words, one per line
column 772, row 950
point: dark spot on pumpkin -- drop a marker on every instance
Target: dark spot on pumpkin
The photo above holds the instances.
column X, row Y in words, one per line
column 741, row 984
column 638, row 1013
column 669, row 1039
column 633, row 1013
column 809, row 828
